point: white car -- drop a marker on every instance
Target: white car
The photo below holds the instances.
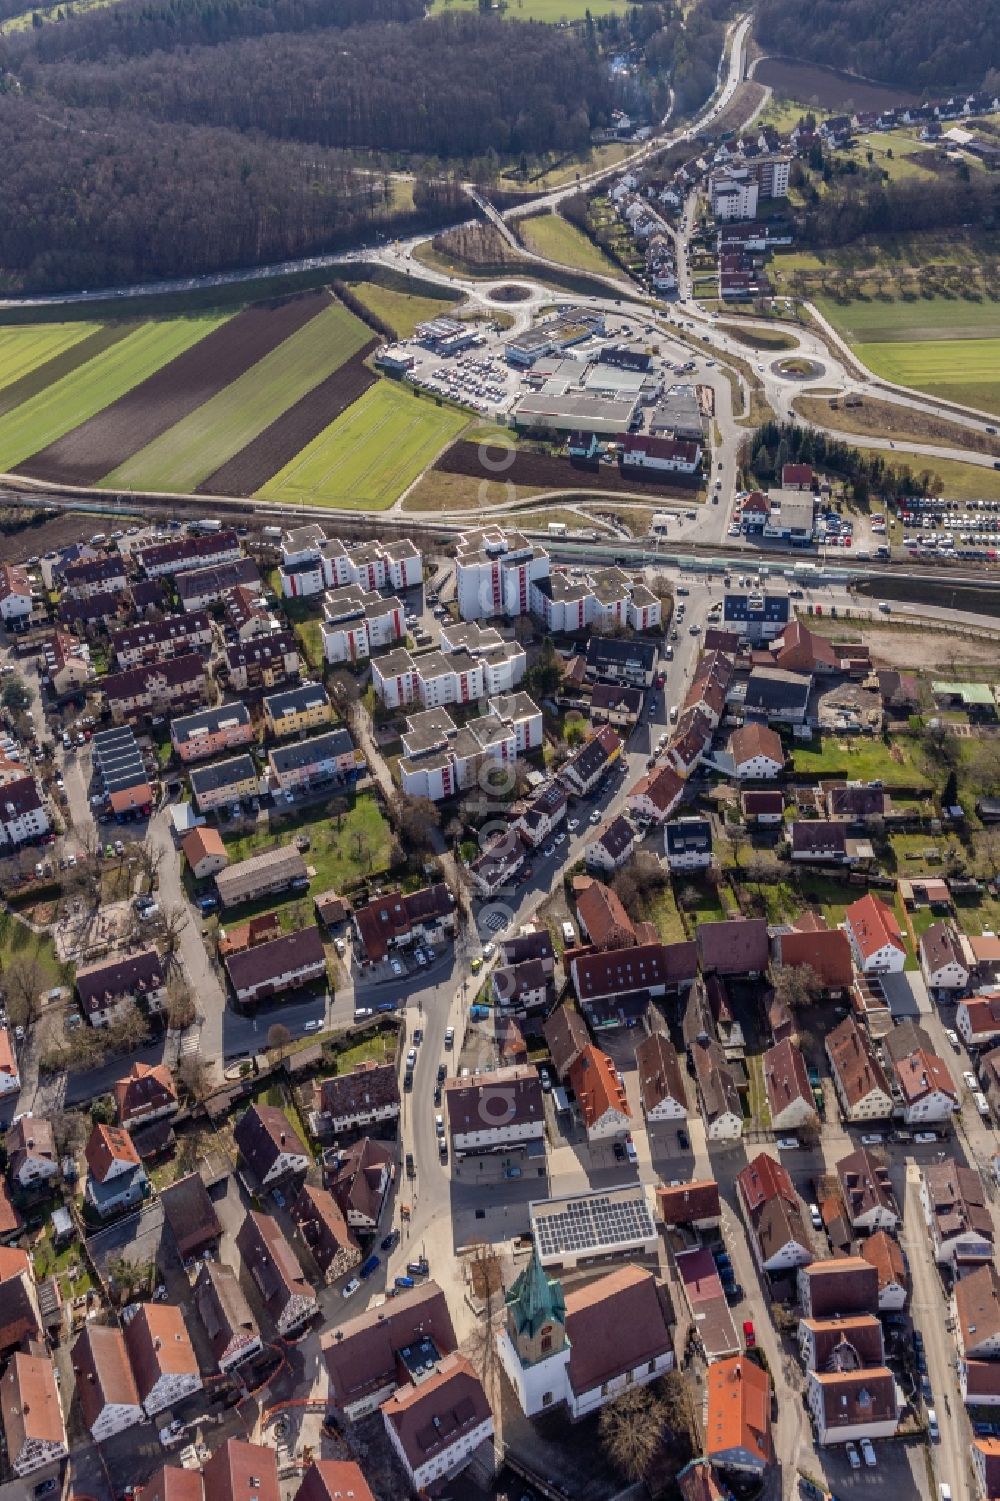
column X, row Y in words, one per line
column 573, row 825
column 853, row 1457
column 869, row 1453
column 397, row 968
column 815, row 1216
column 924, row 1138
column 787, row 1143
column 596, row 816
column 312, row 1026
column 351, row 1288
column 952, row 1037
column 872, row 1140
column 489, row 949
column 969, row 1080
column 560, row 838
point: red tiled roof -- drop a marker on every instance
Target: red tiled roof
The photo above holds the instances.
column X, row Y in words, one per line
column 873, row 924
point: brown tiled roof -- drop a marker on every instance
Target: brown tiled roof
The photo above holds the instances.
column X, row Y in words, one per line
column 429, row 1418
column 158, row 1344
column 614, row 1324
column 360, row 1354
column 106, row 983
column 239, row 1471
column 841, row 1285
column 827, row 950
column 600, row 911
column 502, row 1097
column 660, row 1074
column 29, row 1403
column 853, row 1398
column 597, row 1086
column 662, row 786
column 171, row 1483
column 883, row 1253
column 262, row 1134
column 272, row 1263
column 19, row 1319
column 566, row 1035
column 982, row 1382
column 755, row 740
column 31, row 1136
column 322, row 1224
column 854, row 1061
column 734, row 946
column 719, row 1094
column 106, row 1146
column 957, row 1199
column 269, row 960
column 334, row 1480
column 190, row 1214
column 394, row 914
column 639, row 967
column 686, row 1202
column 222, row 1307
column 785, row 1077
column 977, row 1304
column 367, row 1086
column 865, row 1183
column 145, row 1087
column 846, row 1343
column 739, row 1410
column 202, row 842
column 873, row 924
column 103, row 1374
column 939, row 946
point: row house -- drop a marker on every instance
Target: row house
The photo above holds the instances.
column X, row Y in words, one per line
column 883, row 1252
column 272, row 1264
column 224, row 783
column 862, row 1088
column 172, row 636
column 366, row 1095
column 68, row 664
column 210, row 732
column 168, row 558
column 357, row 622
column 202, row 588
column 957, row 1216
column 589, row 764
column 922, row 1079
column 270, row 969
column 90, row 576
column 266, row 662
column 24, row 816
column 297, row 710
column 156, row 688
column 332, row 757
column 837, row 1286
column 222, row 1306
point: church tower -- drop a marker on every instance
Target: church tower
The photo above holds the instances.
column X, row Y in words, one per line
column 533, row 1346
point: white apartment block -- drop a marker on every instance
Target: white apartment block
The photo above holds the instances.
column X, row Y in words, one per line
column 357, row 622
column 441, row 759
column 311, row 562
column 494, row 571
column 733, row 194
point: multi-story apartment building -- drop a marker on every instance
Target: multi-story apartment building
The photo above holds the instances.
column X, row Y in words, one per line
column 311, row 763
column 296, row 710
column 225, row 727
column 494, row 572
column 156, row 687
column 223, row 783
column 173, row 635
column 264, row 662
column 440, row 759
column 164, row 558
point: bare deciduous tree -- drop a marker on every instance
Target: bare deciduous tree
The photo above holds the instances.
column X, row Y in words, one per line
column 796, row 985
column 631, row 1428
column 278, row 1036
column 180, row 1008
column 24, row 981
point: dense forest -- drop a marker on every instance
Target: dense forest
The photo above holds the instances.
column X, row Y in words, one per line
column 837, row 217
column 151, row 138
column 919, row 44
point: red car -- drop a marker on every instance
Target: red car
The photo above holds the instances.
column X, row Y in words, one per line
column 749, row 1333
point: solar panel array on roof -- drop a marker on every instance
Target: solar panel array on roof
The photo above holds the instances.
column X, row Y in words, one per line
column 593, row 1222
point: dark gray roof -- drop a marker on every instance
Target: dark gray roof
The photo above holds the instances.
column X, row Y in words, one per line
column 222, row 774
column 305, row 753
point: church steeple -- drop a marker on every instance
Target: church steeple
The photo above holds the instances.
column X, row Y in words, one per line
column 536, row 1313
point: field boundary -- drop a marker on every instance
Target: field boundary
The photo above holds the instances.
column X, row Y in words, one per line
column 34, row 382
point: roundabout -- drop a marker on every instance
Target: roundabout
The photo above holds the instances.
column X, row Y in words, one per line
column 797, row 367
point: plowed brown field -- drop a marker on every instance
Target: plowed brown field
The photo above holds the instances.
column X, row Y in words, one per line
column 277, row 445
column 95, row 448
column 545, row 472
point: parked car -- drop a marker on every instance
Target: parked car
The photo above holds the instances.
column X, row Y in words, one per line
column 350, row 1288
column 853, row 1458
column 868, row 1453
column 420, row 1267
column 404, row 1282
column 749, row 1334
column 390, row 1241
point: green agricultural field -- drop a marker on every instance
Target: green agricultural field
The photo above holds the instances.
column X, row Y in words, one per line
column 961, row 370
column 558, row 240
column 552, row 11
column 369, row 456
column 401, row 310
column 195, row 447
column 38, row 422
column 24, row 349
column 920, row 319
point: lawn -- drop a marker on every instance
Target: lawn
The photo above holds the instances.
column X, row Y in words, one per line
column 195, row 447
column 341, row 852
column 371, row 454
column 958, row 481
column 552, row 11
column 24, row 349
column 661, row 908
column 18, row 942
column 377, row 1045
column 67, row 403
column 859, row 759
column 964, row 370
column 49, row 1262
column 401, row 310
column 555, row 238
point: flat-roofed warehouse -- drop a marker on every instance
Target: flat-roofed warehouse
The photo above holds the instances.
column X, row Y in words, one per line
column 569, row 411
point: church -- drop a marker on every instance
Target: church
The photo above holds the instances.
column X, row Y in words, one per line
column 587, row 1347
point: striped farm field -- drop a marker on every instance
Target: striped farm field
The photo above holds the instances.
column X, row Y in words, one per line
column 77, row 396
column 171, row 393
column 194, row 448
column 961, row 370
column 369, row 456
column 23, row 349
